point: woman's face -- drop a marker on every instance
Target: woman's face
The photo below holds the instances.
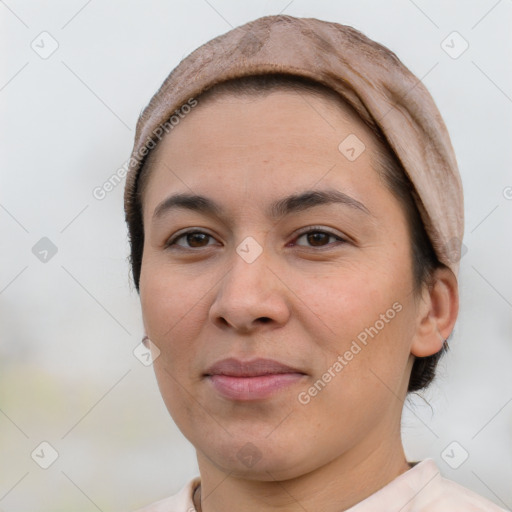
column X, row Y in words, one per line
column 284, row 323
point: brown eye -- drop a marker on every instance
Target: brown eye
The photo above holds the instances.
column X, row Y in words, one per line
column 191, row 240
column 197, row 239
column 317, row 238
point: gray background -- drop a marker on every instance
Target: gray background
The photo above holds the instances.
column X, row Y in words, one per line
column 69, row 322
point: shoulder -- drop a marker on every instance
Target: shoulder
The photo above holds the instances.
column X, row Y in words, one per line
column 424, row 489
column 180, row 502
column 448, row 496
column 443, row 495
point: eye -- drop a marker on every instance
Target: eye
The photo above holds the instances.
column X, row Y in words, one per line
column 318, row 238
column 193, row 239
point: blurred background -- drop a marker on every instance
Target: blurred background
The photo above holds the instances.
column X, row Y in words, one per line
column 82, row 424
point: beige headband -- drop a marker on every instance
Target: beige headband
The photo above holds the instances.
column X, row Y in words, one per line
column 370, row 77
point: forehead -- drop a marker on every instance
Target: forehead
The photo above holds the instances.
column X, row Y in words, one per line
column 298, row 136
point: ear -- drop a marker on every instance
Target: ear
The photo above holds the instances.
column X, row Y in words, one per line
column 437, row 313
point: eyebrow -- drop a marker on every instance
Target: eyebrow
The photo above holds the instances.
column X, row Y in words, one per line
column 291, row 204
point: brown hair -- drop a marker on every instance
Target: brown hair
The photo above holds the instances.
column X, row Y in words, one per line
column 424, row 259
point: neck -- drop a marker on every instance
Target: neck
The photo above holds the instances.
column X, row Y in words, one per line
column 334, row 487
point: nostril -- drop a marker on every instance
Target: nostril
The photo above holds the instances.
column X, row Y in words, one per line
column 223, row 322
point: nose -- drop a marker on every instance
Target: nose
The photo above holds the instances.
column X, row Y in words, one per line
column 251, row 294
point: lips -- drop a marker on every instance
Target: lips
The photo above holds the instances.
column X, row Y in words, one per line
column 256, row 379
column 253, row 368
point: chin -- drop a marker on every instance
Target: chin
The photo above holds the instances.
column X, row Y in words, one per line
column 259, row 458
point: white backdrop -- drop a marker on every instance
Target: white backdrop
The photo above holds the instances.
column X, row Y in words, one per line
column 75, row 75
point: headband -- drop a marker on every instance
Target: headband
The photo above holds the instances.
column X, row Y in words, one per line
column 366, row 74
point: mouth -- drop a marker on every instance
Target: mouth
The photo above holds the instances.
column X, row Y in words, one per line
column 256, row 379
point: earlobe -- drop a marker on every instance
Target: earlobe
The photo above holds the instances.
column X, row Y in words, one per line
column 437, row 314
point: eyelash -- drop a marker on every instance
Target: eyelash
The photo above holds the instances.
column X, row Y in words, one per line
column 314, row 229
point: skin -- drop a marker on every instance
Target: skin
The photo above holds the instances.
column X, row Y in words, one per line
column 301, row 302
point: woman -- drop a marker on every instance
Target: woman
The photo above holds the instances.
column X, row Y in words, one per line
column 295, row 215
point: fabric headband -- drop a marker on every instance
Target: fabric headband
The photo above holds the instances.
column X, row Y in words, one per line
column 366, row 74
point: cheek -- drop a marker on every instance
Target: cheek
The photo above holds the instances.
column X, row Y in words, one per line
column 366, row 315
column 168, row 299
column 173, row 315
column 350, row 298
column 365, row 371
column 174, row 312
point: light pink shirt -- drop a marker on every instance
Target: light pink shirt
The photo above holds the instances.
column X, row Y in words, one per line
column 421, row 489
